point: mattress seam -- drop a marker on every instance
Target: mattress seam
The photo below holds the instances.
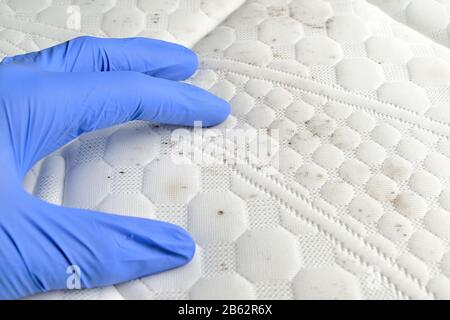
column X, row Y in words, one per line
column 331, row 98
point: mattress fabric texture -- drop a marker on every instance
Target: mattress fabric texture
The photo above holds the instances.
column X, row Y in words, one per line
column 429, row 17
column 358, row 206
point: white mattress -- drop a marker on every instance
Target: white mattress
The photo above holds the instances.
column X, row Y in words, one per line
column 429, row 17
column 359, row 207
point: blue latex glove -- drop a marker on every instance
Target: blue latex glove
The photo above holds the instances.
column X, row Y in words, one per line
column 47, row 99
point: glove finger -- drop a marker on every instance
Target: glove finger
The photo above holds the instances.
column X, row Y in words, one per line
column 78, row 249
column 70, row 104
column 98, row 100
column 89, row 54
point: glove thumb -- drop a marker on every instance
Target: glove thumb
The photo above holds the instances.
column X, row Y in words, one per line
column 78, row 249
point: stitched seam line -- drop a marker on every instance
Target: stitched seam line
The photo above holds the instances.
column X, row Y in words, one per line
column 355, row 235
column 321, row 211
column 378, row 113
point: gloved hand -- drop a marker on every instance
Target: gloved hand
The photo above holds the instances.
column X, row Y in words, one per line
column 47, row 99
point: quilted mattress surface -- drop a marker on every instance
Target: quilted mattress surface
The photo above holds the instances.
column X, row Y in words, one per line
column 358, row 206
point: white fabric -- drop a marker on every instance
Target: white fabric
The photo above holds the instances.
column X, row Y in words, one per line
column 359, row 206
column 429, row 17
column 27, row 25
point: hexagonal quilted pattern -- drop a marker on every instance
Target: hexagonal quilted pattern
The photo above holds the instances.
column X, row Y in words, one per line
column 49, row 21
column 359, row 205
